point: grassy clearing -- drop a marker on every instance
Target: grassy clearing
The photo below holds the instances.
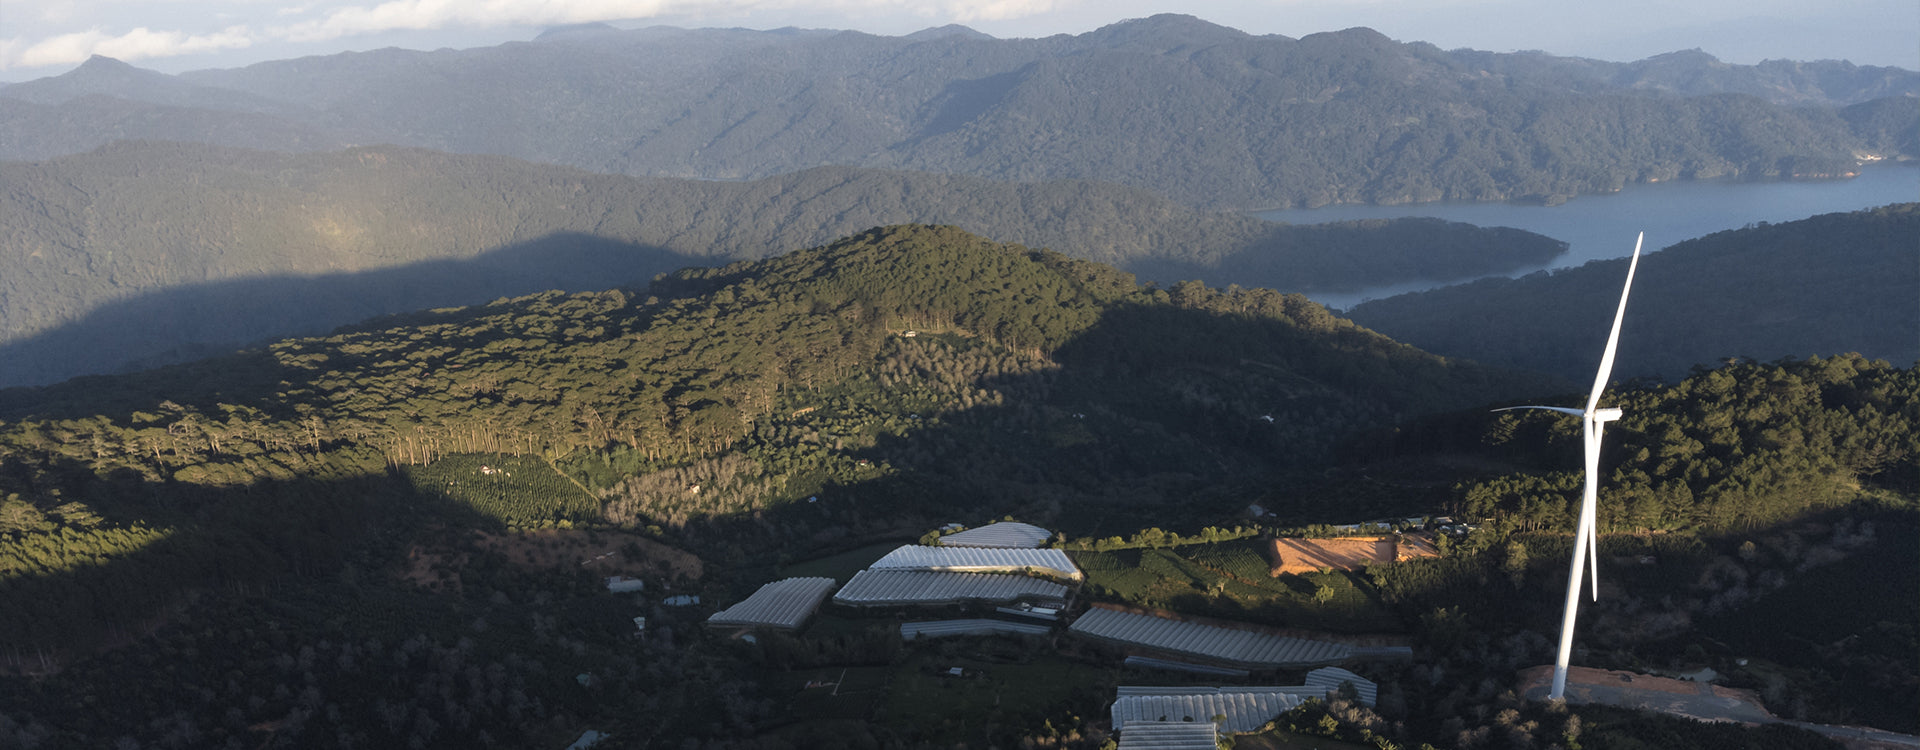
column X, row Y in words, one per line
column 922, row 694
column 829, row 693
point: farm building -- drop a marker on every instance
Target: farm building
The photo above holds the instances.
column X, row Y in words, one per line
column 784, row 604
column 625, row 585
column 1170, row 735
column 1006, row 535
column 944, row 628
column 905, row 587
column 1241, row 648
column 1241, row 709
column 1050, row 562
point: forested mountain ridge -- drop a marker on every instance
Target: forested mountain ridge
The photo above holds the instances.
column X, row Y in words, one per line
column 1825, row 285
column 1032, row 381
column 1199, row 113
column 338, row 541
column 153, row 251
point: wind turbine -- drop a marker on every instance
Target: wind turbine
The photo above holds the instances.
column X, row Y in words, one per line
column 1586, row 546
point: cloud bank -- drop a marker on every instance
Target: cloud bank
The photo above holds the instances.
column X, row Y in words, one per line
column 320, row 22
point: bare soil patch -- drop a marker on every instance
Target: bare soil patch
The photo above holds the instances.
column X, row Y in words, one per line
column 1345, row 553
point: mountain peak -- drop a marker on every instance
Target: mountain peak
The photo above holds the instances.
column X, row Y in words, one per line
column 576, row 30
column 1175, row 28
column 949, row 30
column 99, row 63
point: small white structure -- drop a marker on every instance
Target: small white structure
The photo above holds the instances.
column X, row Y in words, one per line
column 625, row 585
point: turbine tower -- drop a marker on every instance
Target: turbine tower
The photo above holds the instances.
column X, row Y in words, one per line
column 1586, row 546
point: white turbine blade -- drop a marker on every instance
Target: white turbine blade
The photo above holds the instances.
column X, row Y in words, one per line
column 1613, row 337
column 1593, row 554
column 1561, row 409
column 1565, row 652
column 1589, row 510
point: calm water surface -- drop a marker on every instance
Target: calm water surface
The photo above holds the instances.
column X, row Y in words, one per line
column 1598, row 227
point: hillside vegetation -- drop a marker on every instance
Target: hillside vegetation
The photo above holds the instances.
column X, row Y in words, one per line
column 1826, row 285
column 1196, row 112
column 157, row 252
column 1034, row 381
column 387, row 536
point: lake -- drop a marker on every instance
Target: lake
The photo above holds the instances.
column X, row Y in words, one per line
column 1597, row 227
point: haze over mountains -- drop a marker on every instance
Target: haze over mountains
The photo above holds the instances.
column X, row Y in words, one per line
column 143, row 253
column 1197, row 112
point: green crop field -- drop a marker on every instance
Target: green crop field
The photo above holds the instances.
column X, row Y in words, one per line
column 513, row 490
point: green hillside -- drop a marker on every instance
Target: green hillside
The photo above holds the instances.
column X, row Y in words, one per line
column 1825, row 285
column 394, row 534
column 159, row 252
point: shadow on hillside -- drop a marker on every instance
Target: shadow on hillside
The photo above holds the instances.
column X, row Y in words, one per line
column 190, row 322
column 247, row 538
column 1154, row 416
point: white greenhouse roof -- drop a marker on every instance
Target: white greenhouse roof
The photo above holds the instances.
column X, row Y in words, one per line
column 1006, row 534
column 942, row 628
column 1243, row 709
column 979, row 560
column 1325, row 680
column 1241, row 647
column 1170, row 735
column 782, row 604
column 903, row 587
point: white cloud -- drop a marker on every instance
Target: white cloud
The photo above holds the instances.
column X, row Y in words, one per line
column 999, row 10
column 137, row 44
column 420, row 15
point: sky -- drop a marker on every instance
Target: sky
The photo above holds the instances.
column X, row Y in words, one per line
column 47, row 37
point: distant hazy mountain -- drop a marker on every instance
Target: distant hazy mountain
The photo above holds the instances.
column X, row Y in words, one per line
column 1826, row 285
column 1197, row 112
column 148, row 252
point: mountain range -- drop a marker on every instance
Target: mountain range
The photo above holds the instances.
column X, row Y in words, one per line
column 140, row 253
column 1200, row 113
